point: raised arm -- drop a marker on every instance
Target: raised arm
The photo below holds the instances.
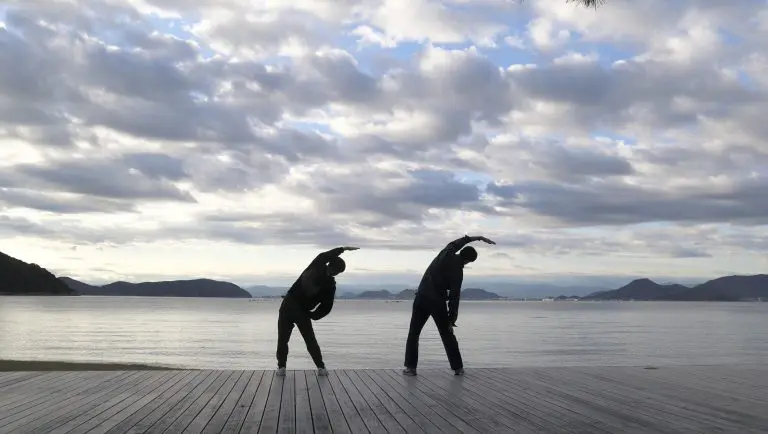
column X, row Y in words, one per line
column 456, row 245
column 324, row 257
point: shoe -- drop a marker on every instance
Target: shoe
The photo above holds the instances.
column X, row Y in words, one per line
column 280, row 372
column 409, row 371
column 322, row 372
column 459, row 371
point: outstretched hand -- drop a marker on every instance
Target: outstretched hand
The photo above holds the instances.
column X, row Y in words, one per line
column 485, row 240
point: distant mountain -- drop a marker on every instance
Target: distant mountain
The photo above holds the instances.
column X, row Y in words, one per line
column 266, row 291
column 173, row 288
column 408, row 294
column 727, row 288
column 639, row 289
column 76, row 285
column 478, row 294
column 504, row 289
column 535, row 290
column 382, row 294
column 20, row 278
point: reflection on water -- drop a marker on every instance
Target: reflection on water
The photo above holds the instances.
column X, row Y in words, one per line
column 240, row 334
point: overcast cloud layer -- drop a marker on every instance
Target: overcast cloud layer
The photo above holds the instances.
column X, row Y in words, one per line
column 232, row 138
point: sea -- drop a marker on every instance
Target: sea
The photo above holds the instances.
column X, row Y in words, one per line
column 213, row 333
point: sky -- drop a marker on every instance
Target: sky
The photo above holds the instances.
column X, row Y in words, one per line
column 232, row 139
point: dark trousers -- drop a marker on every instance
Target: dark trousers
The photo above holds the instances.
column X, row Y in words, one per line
column 292, row 313
column 422, row 310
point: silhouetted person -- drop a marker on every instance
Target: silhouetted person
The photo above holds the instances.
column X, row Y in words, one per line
column 309, row 298
column 441, row 283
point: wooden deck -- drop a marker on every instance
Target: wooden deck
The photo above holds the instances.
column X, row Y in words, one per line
column 703, row 399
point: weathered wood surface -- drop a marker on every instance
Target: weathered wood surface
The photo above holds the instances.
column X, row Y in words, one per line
column 682, row 399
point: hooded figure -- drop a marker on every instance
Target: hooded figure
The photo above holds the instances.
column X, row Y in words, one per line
column 441, row 283
column 309, row 298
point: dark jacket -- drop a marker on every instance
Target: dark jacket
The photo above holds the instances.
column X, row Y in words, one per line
column 315, row 288
column 442, row 279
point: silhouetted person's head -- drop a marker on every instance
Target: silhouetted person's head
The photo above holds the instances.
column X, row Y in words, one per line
column 336, row 266
column 468, row 254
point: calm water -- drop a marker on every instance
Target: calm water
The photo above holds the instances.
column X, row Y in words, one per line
column 240, row 334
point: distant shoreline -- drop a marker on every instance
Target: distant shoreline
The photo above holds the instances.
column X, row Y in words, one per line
column 52, row 365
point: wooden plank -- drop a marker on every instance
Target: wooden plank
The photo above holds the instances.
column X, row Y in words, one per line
column 411, row 385
column 565, row 411
column 219, row 419
column 528, row 412
column 376, row 417
column 320, row 421
column 727, row 409
column 518, row 405
column 507, row 416
column 161, row 414
column 408, row 423
column 154, row 406
column 451, row 403
column 700, row 409
column 696, row 381
column 85, row 418
column 617, row 406
column 740, row 383
column 304, row 423
column 414, row 407
column 46, row 404
column 287, row 415
column 353, row 418
column 196, row 411
column 271, row 414
column 753, row 375
column 20, row 377
column 579, row 400
column 82, row 408
column 244, row 404
column 178, row 416
column 98, row 386
column 255, row 413
column 21, row 401
column 24, row 392
column 391, row 416
column 142, row 405
column 332, row 407
column 619, row 398
column 16, row 377
column 20, row 380
column 572, row 409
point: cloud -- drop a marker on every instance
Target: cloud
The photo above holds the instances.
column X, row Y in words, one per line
column 102, row 179
column 602, row 203
column 60, row 203
column 388, row 124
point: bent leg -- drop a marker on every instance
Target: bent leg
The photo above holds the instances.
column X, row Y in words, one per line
column 284, row 329
column 304, row 323
column 450, row 343
column 419, row 317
